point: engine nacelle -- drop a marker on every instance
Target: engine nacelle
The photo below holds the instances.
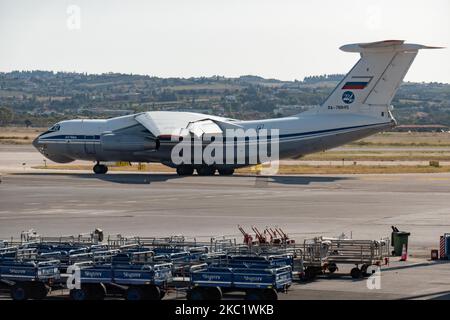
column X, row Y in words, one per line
column 127, row 143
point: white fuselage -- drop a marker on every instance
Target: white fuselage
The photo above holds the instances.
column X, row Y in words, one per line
column 298, row 135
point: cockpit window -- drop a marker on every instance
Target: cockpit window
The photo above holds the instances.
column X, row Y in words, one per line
column 56, row 127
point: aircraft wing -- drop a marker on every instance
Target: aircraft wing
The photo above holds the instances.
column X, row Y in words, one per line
column 148, row 123
column 201, row 127
column 168, row 124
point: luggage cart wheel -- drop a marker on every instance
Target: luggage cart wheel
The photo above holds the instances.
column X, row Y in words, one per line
column 332, row 267
column 214, row 293
column 78, row 294
column 196, row 293
column 364, row 268
column 356, row 273
column 254, row 295
column 261, row 294
column 96, row 292
column 38, row 291
column 310, row 274
column 153, row 293
column 270, row 294
column 134, row 293
column 19, row 292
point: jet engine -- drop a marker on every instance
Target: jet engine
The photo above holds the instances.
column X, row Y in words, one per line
column 127, row 143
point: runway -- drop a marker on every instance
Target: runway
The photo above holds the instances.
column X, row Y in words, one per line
column 364, row 206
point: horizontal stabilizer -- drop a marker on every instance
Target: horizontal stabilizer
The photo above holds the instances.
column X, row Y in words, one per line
column 385, row 46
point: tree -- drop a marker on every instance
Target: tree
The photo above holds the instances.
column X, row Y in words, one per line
column 6, row 116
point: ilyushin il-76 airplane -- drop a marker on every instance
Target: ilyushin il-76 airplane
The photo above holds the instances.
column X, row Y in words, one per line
column 359, row 106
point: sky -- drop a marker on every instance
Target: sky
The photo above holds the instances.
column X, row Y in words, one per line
column 282, row 39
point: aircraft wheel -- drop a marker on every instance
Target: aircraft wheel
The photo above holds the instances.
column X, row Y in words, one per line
column 100, row 169
column 206, row 171
column 226, row 171
column 185, row 170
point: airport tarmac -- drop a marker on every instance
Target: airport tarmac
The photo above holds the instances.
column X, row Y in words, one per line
column 363, row 206
column 156, row 204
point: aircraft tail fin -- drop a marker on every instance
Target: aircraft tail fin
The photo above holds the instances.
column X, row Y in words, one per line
column 376, row 77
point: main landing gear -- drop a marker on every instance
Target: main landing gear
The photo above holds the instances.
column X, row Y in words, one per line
column 206, row 171
column 226, row 171
column 187, row 170
column 100, row 168
column 184, row 170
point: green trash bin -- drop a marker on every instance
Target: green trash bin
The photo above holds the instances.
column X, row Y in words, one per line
column 398, row 239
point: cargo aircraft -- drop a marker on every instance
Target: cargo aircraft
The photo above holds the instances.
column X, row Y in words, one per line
column 359, row 106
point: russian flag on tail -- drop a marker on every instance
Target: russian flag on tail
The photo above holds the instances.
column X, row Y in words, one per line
column 357, row 83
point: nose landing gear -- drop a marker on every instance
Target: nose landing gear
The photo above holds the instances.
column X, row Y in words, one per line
column 100, row 168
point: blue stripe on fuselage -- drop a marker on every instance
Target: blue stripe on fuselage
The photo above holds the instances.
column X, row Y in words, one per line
column 72, row 137
column 290, row 135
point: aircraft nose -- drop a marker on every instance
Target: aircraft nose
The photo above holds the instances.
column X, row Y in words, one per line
column 36, row 142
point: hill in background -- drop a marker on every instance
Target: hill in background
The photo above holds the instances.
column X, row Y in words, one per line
column 41, row 98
